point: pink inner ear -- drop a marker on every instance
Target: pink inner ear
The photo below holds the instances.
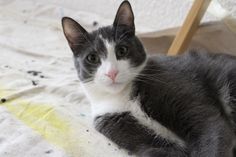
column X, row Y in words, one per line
column 72, row 34
column 75, row 38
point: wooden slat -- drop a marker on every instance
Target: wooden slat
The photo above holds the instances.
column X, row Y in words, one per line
column 189, row 27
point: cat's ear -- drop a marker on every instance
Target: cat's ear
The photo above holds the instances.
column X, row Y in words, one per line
column 75, row 34
column 124, row 16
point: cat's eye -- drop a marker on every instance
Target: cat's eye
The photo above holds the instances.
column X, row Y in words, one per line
column 93, row 58
column 122, row 51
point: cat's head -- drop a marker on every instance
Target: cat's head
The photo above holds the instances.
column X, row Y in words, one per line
column 110, row 57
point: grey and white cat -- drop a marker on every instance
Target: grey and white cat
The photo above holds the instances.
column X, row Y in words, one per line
column 156, row 106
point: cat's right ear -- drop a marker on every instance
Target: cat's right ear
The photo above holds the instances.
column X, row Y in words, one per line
column 124, row 16
column 75, row 34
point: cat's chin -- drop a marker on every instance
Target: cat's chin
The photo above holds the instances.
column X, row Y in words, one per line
column 114, row 88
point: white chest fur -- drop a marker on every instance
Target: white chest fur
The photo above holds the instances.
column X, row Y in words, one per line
column 103, row 103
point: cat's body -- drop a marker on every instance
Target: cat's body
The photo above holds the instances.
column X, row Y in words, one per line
column 180, row 96
column 155, row 106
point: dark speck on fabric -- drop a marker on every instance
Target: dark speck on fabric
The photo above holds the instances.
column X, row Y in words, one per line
column 95, row 23
column 3, row 100
column 49, row 151
column 34, row 83
column 34, row 73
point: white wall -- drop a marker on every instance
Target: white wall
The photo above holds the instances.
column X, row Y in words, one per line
column 150, row 14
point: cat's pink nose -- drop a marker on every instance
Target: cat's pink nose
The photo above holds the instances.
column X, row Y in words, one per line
column 112, row 74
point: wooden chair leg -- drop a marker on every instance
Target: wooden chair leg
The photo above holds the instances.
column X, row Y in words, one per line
column 191, row 24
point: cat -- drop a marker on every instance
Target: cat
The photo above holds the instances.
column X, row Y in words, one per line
column 155, row 106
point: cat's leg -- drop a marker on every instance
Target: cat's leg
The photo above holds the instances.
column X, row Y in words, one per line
column 124, row 130
column 215, row 139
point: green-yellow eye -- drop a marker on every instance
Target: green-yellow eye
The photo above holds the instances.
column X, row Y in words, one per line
column 93, row 58
column 122, row 51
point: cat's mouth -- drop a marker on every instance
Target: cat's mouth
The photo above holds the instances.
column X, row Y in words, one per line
column 115, row 84
column 115, row 87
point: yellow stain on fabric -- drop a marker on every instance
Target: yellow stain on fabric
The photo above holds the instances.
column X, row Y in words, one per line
column 44, row 119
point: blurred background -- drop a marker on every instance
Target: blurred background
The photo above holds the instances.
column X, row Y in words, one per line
column 151, row 15
column 22, row 21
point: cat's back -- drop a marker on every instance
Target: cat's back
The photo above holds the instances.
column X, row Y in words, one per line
column 192, row 66
column 194, row 60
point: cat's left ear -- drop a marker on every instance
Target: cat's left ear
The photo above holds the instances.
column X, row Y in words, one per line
column 124, row 16
column 75, row 34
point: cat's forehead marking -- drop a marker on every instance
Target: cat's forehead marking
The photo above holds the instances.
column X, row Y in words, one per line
column 110, row 47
